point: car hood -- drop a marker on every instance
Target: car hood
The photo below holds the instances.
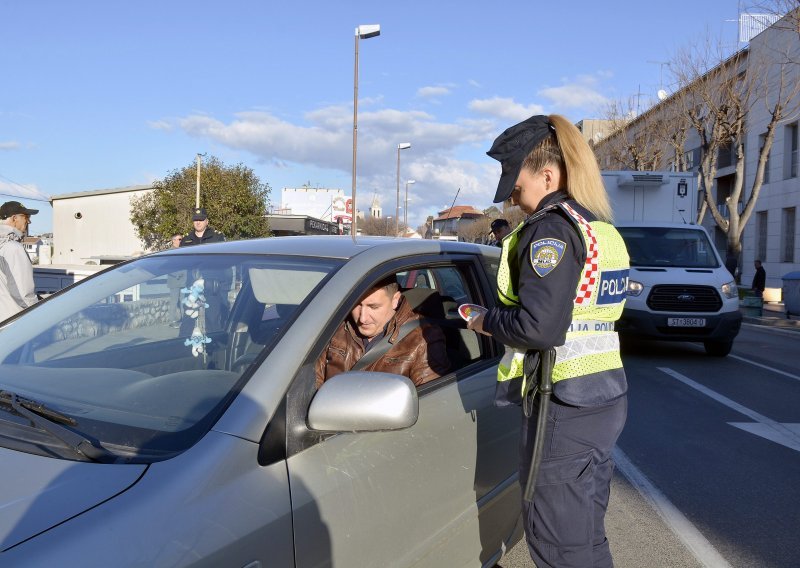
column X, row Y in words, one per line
column 37, row 493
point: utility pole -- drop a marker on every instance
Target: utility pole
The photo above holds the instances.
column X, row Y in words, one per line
column 197, row 195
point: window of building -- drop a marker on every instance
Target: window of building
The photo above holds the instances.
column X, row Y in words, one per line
column 761, row 140
column 691, row 159
column 788, row 234
column 725, row 156
column 761, row 235
column 790, row 151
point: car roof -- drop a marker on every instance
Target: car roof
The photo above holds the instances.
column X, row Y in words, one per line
column 334, row 246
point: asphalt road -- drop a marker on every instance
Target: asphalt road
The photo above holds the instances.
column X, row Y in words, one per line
column 708, row 465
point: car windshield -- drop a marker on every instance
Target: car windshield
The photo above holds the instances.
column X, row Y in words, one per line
column 669, row 247
column 145, row 356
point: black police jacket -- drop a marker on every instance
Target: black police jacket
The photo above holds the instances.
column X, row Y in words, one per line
column 209, row 236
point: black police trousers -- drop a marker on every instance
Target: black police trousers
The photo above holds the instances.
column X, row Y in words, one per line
column 564, row 525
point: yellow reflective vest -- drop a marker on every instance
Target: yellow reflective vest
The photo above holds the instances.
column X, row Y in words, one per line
column 592, row 345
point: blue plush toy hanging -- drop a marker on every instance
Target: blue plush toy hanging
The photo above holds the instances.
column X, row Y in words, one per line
column 195, row 302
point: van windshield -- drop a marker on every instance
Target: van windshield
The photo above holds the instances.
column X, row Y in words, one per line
column 669, row 246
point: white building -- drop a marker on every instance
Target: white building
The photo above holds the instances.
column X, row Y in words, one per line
column 94, row 227
column 320, row 203
column 32, row 246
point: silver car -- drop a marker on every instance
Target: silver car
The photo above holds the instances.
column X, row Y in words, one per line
column 164, row 413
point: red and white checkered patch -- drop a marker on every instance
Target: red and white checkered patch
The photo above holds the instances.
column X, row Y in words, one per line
column 588, row 280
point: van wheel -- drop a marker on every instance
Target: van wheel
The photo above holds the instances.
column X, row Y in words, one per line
column 718, row 348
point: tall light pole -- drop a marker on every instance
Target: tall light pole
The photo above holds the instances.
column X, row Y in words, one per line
column 364, row 31
column 197, row 194
column 405, row 209
column 401, row 146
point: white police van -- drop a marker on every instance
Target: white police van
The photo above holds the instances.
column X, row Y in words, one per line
column 678, row 287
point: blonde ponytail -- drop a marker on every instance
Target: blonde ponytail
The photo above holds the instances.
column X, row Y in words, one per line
column 584, row 182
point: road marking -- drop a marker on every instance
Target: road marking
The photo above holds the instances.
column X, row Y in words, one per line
column 784, row 434
column 768, row 368
column 698, row 545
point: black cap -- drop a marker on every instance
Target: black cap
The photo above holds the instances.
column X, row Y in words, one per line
column 199, row 214
column 497, row 223
column 513, row 146
column 10, row 208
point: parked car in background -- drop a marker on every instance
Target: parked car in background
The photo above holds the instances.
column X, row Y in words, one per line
column 128, row 441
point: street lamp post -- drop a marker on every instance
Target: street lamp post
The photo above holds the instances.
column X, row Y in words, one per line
column 401, row 146
column 197, row 194
column 405, row 209
column 364, row 31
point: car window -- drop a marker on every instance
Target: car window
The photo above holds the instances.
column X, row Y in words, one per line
column 434, row 293
column 148, row 353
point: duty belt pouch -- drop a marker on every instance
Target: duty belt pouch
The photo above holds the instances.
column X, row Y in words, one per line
column 531, row 370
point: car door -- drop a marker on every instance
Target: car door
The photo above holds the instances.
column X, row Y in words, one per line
column 443, row 492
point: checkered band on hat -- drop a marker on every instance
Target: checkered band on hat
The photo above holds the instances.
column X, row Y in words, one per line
column 588, row 281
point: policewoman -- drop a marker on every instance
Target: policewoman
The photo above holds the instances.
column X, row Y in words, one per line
column 561, row 284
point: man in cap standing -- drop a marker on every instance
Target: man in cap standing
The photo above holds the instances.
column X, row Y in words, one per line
column 202, row 233
column 16, row 270
column 500, row 228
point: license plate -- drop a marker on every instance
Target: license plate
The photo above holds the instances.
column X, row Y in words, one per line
column 686, row 322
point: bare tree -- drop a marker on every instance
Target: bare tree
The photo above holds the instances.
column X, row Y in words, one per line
column 631, row 148
column 720, row 103
column 380, row 226
column 476, row 231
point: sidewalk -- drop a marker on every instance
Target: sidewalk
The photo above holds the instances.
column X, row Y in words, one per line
column 773, row 314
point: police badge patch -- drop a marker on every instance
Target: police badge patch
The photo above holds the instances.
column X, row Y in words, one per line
column 546, row 254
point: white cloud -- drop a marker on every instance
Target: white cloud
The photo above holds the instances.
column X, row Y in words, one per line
column 160, row 125
column 430, row 92
column 439, row 158
column 10, row 145
column 506, row 108
column 580, row 93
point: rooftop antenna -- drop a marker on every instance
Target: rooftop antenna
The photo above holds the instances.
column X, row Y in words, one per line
column 661, row 93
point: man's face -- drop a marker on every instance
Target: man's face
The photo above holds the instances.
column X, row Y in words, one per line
column 374, row 311
column 21, row 221
column 501, row 232
column 200, row 226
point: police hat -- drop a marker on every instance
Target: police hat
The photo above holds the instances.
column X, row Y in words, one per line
column 10, row 208
column 199, row 214
column 513, row 146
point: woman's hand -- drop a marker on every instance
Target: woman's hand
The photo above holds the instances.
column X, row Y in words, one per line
column 476, row 324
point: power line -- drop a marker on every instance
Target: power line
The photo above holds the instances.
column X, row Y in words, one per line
column 23, row 187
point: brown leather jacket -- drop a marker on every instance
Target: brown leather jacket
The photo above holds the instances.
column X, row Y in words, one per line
column 421, row 355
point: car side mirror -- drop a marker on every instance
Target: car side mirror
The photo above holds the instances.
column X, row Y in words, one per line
column 362, row 401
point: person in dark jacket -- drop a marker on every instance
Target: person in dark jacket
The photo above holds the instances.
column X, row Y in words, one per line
column 759, row 279
column 202, row 233
column 561, row 285
column 420, row 355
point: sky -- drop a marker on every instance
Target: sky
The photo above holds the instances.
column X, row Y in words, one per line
column 98, row 94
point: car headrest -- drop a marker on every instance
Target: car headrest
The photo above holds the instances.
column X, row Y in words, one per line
column 425, row 301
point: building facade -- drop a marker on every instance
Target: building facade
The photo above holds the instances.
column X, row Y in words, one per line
column 662, row 138
column 94, row 227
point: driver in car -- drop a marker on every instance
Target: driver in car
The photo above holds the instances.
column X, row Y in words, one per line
column 383, row 333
